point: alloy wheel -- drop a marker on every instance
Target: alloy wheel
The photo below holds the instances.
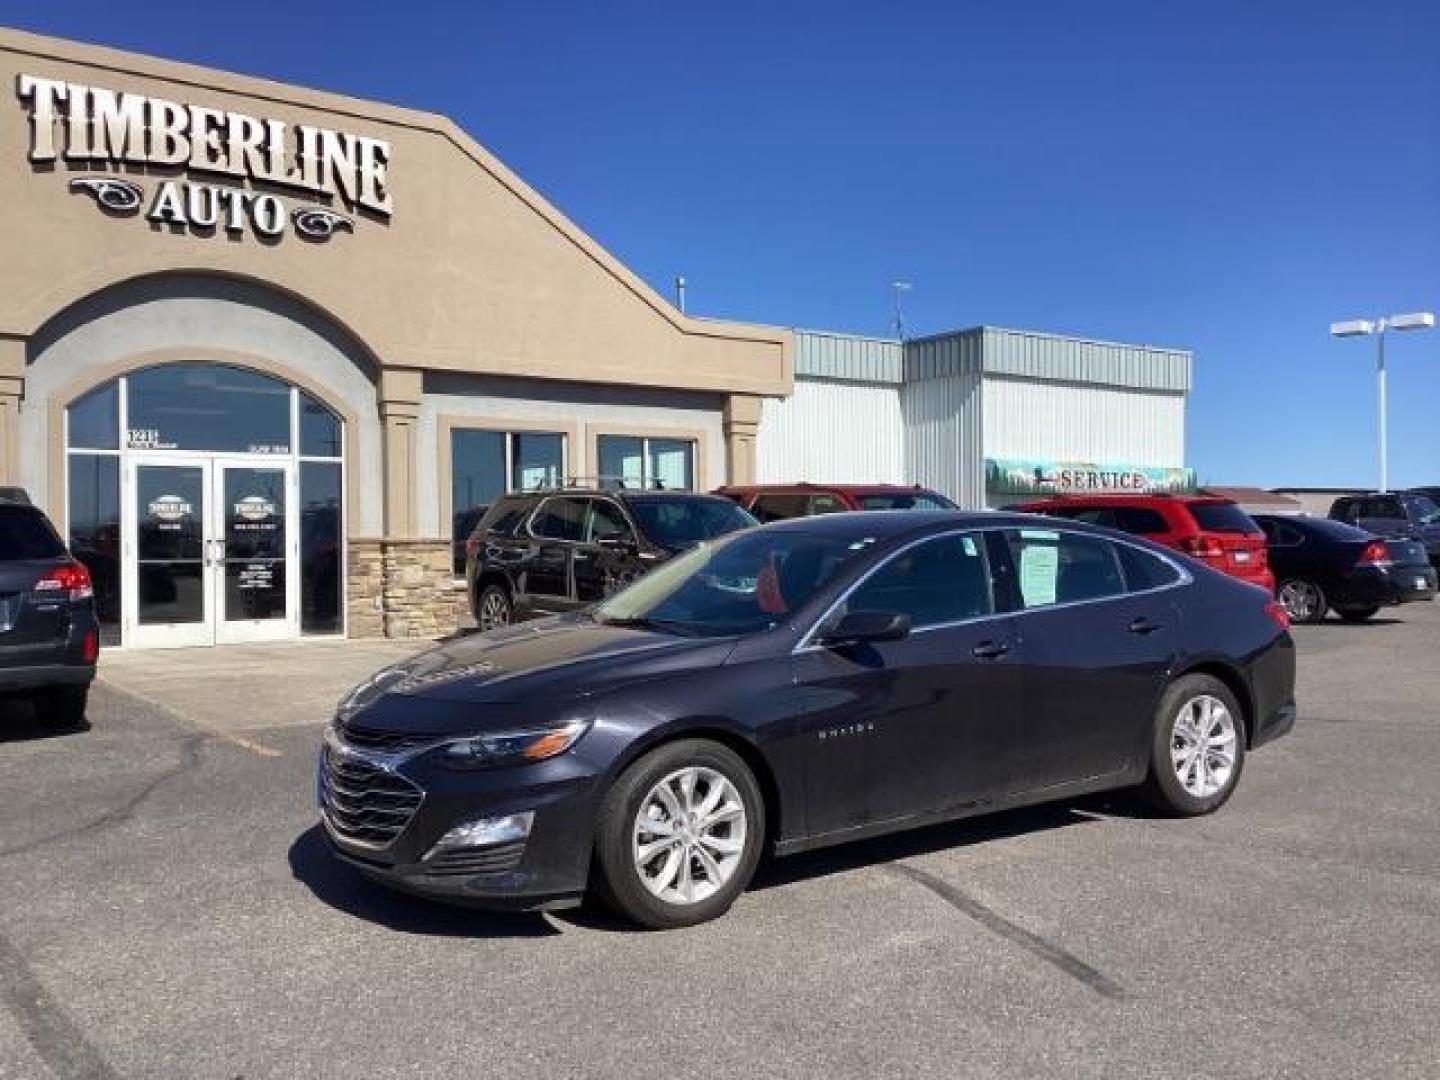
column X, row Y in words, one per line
column 1202, row 747
column 1301, row 599
column 494, row 610
column 689, row 835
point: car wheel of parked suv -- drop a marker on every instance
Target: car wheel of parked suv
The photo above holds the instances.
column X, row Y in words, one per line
column 1356, row 614
column 1304, row 600
column 493, row 608
column 679, row 835
column 61, row 706
column 1197, row 749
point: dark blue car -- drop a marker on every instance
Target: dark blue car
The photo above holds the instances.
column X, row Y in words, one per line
column 801, row 684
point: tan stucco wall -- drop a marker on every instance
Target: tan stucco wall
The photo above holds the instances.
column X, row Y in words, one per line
column 474, row 272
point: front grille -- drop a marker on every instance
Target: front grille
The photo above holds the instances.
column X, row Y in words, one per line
column 363, row 802
column 387, row 742
column 495, row 859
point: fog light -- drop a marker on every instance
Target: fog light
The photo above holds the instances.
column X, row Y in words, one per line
column 483, row 832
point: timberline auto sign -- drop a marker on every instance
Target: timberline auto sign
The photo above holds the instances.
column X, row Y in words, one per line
column 99, row 127
column 1012, row 476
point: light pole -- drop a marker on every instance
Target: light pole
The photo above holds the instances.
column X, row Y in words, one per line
column 1416, row 320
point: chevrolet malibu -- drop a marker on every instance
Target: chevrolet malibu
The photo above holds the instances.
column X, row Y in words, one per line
column 802, row 684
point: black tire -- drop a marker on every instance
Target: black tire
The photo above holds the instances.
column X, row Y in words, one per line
column 1163, row 788
column 61, row 706
column 618, row 877
column 493, row 607
column 1303, row 599
column 1356, row 614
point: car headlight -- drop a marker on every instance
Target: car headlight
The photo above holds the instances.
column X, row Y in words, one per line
column 512, row 747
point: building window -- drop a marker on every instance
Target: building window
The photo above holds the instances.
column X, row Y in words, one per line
column 487, row 464
column 634, row 461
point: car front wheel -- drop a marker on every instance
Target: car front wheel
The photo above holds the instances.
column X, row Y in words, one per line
column 679, row 835
column 1303, row 599
column 1197, row 748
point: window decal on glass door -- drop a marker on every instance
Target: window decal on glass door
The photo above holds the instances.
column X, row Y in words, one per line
column 253, row 544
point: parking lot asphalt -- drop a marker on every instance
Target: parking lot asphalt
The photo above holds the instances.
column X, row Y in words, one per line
column 167, row 909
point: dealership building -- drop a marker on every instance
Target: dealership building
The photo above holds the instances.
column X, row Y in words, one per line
column 260, row 345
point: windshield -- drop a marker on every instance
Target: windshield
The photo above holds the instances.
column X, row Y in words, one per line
column 742, row 585
column 1423, row 510
column 906, row 500
column 681, row 523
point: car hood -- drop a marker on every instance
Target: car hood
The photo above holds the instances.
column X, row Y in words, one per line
column 539, row 663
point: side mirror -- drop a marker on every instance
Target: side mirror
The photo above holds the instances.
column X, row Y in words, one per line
column 859, row 627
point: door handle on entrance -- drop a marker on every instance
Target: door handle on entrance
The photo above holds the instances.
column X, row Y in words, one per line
column 990, row 650
column 1142, row 625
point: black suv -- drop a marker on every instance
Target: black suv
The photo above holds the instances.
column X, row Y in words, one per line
column 553, row 551
column 1405, row 514
column 49, row 637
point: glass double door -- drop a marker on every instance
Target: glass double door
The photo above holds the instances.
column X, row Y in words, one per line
column 208, row 555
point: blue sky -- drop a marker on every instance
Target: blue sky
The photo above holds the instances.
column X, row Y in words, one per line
column 1227, row 177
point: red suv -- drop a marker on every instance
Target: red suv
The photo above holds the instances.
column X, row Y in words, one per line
column 775, row 502
column 1215, row 531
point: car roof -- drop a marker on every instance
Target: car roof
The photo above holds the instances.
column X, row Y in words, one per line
column 1128, row 499
column 629, row 494
column 890, row 524
column 806, row 485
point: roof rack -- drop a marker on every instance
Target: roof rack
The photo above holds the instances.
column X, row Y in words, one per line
column 600, row 483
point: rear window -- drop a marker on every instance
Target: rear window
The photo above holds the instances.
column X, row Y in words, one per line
column 906, row 500
column 1222, row 517
column 1331, row 530
column 25, row 534
column 678, row 524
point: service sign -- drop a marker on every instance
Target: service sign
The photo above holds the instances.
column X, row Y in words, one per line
column 1028, row 476
column 91, row 127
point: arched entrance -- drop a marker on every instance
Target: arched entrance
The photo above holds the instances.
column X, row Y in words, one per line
column 207, row 500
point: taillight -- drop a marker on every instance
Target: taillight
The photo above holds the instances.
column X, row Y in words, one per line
column 1375, row 554
column 1277, row 612
column 90, row 648
column 472, row 544
column 1202, row 547
column 72, row 579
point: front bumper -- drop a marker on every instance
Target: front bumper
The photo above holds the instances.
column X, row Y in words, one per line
column 545, row 870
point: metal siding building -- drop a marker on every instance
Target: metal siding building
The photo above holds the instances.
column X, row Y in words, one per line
column 937, row 410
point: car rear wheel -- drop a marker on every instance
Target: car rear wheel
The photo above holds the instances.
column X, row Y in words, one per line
column 1303, row 599
column 1356, row 614
column 679, row 835
column 62, row 706
column 1197, row 748
column 493, row 608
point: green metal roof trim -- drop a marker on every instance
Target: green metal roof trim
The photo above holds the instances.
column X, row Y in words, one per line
column 823, row 355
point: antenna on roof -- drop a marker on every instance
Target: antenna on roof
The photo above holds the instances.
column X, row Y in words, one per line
column 897, row 289
column 680, row 294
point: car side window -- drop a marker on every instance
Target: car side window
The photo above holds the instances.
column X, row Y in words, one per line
column 1144, row 571
column 1054, row 567
column 1098, row 515
column 825, row 504
column 1140, row 521
column 607, row 521
column 560, row 519
column 941, row 580
column 778, row 507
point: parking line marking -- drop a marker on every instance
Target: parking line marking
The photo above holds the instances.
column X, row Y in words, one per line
column 1033, row 943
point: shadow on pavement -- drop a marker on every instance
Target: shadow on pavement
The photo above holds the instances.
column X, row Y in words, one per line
column 19, row 722
column 1367, row 624
column 349, row 891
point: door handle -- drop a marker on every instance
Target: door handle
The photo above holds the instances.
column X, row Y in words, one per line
column 1142, row 625
column 990, row 650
